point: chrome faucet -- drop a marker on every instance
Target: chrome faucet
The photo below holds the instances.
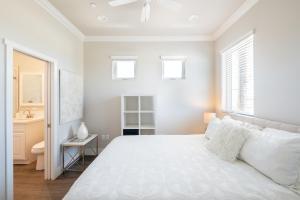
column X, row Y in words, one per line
column 28, row 113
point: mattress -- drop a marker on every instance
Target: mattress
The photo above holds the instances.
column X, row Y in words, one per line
column 170, row 168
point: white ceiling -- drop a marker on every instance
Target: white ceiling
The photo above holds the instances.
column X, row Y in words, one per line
column 125, row 20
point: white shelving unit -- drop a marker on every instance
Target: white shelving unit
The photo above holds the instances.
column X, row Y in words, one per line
column 138, row 115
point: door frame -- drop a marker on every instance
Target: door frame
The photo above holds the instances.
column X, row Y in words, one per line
column 51, row 114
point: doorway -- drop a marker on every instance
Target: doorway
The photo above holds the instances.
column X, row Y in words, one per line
column 19, row 106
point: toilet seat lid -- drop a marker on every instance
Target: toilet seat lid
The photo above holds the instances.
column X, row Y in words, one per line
column 40, row 145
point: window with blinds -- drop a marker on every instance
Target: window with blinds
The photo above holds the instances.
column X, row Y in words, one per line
column 238, row 82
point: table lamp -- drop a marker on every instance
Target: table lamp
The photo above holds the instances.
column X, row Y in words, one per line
column 208, row 116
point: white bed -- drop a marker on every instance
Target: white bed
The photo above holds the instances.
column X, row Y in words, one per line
column 171, row 168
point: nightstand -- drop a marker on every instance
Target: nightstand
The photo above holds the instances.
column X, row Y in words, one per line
column 81, row 145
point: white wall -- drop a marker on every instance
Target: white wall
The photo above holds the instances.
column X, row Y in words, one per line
column 25, row 22
column 276, row 57
column 180, row 103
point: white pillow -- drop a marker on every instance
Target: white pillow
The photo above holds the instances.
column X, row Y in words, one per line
column 227, row 117
column 276, row 154
column 252, row 126
column 242, row 123
column 228, row 140
column 212, row 127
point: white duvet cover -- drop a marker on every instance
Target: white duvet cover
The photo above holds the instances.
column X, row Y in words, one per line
column 171, row 168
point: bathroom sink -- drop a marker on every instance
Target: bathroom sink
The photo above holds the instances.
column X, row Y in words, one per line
column 27, row 120
column 23, row 118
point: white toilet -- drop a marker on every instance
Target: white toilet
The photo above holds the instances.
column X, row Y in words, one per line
column 39, row 149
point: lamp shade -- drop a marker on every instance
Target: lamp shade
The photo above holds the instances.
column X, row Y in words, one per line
column 208, row 116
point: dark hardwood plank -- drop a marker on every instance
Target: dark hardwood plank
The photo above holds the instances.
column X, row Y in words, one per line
column 30, row 184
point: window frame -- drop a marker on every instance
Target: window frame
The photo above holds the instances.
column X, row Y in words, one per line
column 114, row 61
column 223, row 83
column 183, row 60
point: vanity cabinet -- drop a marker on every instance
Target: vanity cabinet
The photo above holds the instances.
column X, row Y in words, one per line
column 27, row 132
column 19, row 146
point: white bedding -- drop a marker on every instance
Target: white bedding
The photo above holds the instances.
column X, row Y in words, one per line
column 171, row 168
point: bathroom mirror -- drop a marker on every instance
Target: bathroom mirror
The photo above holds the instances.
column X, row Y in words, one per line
column 31, row 89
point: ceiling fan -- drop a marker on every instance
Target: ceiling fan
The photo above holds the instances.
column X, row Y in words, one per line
column 146, row 10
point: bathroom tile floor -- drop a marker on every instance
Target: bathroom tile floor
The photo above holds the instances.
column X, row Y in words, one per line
column 30, row 184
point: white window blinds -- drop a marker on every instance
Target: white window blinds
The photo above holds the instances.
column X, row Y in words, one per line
column 238, row 83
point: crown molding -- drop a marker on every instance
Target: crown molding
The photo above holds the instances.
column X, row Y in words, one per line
column 241, row 11
column 45, row 4
column 187, row 38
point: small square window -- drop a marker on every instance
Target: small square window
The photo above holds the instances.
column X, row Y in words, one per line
column 123, row 69
column 173, row 68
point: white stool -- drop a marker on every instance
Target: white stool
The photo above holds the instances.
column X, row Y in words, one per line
column 39, row 150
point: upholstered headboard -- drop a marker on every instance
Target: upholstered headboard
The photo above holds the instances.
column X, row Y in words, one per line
column 266, row 123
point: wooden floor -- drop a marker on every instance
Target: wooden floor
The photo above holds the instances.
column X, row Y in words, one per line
column 30, row 184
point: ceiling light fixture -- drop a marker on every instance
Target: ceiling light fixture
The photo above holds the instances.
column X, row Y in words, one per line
column 102, row 18
column 93, row 4
column 193, row 18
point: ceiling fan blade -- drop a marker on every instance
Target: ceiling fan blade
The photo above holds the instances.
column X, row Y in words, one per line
column 116, row 3
column 171, row 4
column 146, row 13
